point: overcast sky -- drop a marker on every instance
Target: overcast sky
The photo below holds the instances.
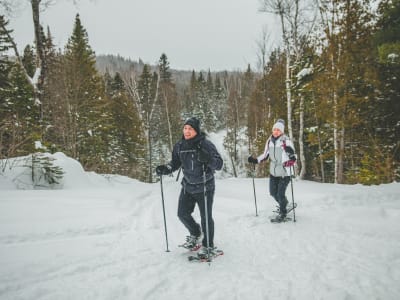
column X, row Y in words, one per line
column 194, row 34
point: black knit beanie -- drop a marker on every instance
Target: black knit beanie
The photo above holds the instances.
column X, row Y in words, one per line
column 194, row 123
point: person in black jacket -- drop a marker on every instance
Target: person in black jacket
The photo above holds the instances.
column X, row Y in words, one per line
column 199, row 159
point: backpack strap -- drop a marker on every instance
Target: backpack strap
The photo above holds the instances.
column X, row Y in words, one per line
column 284, row 138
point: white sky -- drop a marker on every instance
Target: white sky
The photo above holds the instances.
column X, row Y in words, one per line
column 215, row 34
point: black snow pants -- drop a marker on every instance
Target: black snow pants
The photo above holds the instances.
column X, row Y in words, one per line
column 186, row 207
column 277, row 189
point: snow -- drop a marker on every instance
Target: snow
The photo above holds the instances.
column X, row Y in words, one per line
column 38, row 145
column 393, row 56
column 103, row 238
column 304, row 72
column 36, row 76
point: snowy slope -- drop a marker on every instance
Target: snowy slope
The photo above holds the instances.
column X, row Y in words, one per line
column 104, row 239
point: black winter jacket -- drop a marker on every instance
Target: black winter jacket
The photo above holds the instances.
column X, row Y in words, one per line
column 185, row 155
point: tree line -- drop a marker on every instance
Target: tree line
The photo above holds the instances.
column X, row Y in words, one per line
column 334, row 80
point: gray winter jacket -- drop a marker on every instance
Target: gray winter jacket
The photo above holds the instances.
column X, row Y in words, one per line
column 276, row 149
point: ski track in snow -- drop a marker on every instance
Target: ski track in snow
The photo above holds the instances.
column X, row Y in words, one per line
column 344, row 245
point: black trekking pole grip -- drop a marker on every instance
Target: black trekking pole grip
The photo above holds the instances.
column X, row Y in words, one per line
column 291, row 185
column 163, row 207
column 254, row 189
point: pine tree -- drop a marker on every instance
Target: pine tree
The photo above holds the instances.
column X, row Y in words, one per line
column 219, row 108
column 147, row 91
column 357, row 82
column 29, row 60
column 210, row 116
column 87, row 111
column 190, row 97
column 385, row 166
column 126, row 151
column 54, row 107
column 169, row 118
column 21, row 115
column 200, row 102
column 19, row 112
column 5, row 45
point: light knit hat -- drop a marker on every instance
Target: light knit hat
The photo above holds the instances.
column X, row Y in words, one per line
column 280, row 124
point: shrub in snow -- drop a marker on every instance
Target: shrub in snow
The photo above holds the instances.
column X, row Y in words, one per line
column 39, row 172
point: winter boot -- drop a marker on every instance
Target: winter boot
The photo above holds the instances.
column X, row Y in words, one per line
column 279, row 218
column 204, row 252
column 192, row 242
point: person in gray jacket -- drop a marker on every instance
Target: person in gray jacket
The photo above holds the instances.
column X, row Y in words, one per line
column 280, row 150
column 197, row 156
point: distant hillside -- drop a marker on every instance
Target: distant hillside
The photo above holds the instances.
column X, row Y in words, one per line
column 117, row 63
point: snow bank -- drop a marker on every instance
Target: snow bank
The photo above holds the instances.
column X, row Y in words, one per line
column 16, row 173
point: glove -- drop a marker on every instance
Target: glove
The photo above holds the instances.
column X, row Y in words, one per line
column 291, row 156
column 291, row 161
column 204, row 157
column 163, row 170
column 252, row 160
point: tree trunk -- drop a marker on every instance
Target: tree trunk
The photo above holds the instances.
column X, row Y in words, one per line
column 150, row 155
column 321, row 160
column 301, row 144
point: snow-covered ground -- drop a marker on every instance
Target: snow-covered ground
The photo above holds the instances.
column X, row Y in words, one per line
column 103, row 238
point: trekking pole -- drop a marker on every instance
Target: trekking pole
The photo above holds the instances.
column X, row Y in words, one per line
column 291, row 185
column 163, row 207
column 206, row 213
column 254, row 189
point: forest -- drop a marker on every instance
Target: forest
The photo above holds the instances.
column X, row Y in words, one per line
column 334, row 80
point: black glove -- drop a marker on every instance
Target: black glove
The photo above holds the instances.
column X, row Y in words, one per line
column 163, row 170
column 204, row 157
column 290, row 154
column 252, row 160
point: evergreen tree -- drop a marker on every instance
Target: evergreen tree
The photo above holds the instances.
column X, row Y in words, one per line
column 18, row 109
column 147, row 91
column 164, row 69
column 28, row 60
column 169, row 117
column 356, row 83
column 5, row 45
column 200, row 102
column 190, row 97
column 385, row 166
column 126, row 151
column 21, row 116
column 210, row 118
column 87, row 111
column 219, row 107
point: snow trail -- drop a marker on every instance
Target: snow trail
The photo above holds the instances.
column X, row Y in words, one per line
column 107, row 242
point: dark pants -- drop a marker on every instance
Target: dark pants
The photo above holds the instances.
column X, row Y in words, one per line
column 277, row 189
column 186, row 207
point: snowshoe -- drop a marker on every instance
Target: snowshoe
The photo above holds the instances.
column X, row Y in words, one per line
column 192, row 243
column 206, row 255
column 280, row 219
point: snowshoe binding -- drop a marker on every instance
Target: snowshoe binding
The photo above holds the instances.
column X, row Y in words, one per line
column 192, row 243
